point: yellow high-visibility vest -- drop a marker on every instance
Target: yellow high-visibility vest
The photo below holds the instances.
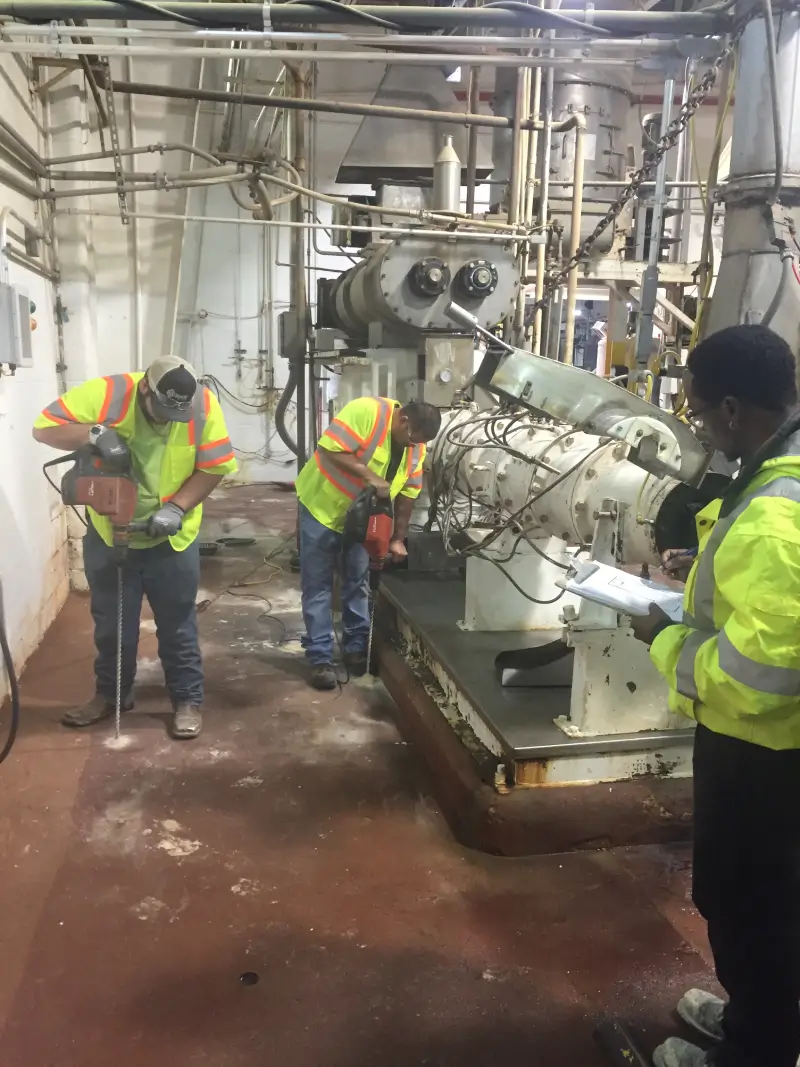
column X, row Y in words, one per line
column 363, row 427
column 201, row 444
column 734, row 663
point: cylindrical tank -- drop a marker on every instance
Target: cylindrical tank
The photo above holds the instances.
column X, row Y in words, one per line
column 447, row 178
column 557, row 481
column 753, row 143
column 603, row 97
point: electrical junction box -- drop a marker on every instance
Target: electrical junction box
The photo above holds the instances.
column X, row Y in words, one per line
column 16, row 345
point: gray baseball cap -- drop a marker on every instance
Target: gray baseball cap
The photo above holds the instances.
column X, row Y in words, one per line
column 173, row 384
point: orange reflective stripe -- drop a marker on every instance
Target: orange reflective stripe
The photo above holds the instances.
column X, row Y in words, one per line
column 348, row 441
column 59, row 413
column 337, row 478
column 347, row 433
column 383, row 422
column 204, row 464
column 214, row 453
column 66, row 413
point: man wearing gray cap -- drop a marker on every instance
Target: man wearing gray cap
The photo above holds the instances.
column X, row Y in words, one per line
column 169, row 430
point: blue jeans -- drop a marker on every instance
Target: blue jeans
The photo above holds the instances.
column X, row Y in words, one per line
column 169, row 580
column 322, row 553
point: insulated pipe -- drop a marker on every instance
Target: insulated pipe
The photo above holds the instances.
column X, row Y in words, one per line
column 284, row 16
column 576, row 214
column 555, row 482
column 19, row 185
column 20, row 147
column 430, row 58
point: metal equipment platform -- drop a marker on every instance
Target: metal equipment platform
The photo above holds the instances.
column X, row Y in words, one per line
column 508, row 779
column 511, row 721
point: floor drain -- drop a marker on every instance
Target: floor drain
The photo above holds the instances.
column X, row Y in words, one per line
column 249, row 978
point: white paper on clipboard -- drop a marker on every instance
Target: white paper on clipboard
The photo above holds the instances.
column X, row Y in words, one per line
column 622, row 591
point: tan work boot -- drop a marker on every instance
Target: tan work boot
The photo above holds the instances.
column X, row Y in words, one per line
column 187, row 722
column 98, row 709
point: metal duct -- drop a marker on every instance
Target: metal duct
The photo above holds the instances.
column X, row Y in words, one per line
column 405, row 149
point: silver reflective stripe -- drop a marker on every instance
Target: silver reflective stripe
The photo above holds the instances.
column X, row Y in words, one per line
column 59, row 412
column 379, row 431
column 118, row 388
column 684, row 672
column 704, row 584
column 199, row 421
column 345, row 483
column 766, row 678
column 689, row 619
column 343, row 435
column 215, row 453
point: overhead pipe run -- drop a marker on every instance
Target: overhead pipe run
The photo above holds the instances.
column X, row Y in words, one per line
column 452, row 235
column 386, row 40
column 286, row 16
column 291, row 103
column 60, row 50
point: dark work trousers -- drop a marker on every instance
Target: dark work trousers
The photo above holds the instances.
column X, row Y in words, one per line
column 747, row 888
column 169, row 580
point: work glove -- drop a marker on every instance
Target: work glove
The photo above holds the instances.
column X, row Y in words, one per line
column 111, row 448
column 166, row 522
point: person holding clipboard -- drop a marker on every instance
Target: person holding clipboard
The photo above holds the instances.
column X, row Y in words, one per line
column 733, row 665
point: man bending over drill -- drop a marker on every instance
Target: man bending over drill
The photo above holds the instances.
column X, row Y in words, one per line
column 374, row 442
column 170, row 431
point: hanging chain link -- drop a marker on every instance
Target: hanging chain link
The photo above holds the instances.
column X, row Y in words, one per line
column 639, row 177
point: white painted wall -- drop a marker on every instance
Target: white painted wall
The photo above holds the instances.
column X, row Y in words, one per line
column 33, row 554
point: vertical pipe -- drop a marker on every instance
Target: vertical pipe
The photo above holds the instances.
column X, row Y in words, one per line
column 193, row 143
column 544, row 197
column 683, row 163
column 473, row 98
column 137, row 280
column 649, row 286
column 515, row 178
column 574, row 237
column 704, row 274
column 298, row 273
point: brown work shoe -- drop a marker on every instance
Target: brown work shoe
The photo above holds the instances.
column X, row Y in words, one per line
column 98, row 709
column 187, row 722
column 323, row 676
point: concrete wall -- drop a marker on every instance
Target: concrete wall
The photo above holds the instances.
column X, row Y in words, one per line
column 33, row 553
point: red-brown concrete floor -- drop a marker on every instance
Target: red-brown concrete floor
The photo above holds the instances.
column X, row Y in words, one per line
column 297, row 840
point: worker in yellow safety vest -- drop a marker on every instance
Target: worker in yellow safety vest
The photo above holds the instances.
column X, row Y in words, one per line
column 733, row 665
column 170, row 430
column 373, row 441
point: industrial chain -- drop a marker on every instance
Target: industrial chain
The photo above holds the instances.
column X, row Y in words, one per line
column 669, row 140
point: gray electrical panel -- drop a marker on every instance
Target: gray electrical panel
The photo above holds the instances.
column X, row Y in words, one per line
column 16, row 346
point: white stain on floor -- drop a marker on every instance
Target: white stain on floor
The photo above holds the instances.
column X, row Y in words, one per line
column 119, row 828
column 246, row 887
column 250, row 781
column 172, row 844
column 149, row 908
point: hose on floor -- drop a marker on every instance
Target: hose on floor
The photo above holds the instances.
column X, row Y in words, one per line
column 13, row 688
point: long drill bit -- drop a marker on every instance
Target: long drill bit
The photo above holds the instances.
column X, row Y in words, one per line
column 118, row 704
